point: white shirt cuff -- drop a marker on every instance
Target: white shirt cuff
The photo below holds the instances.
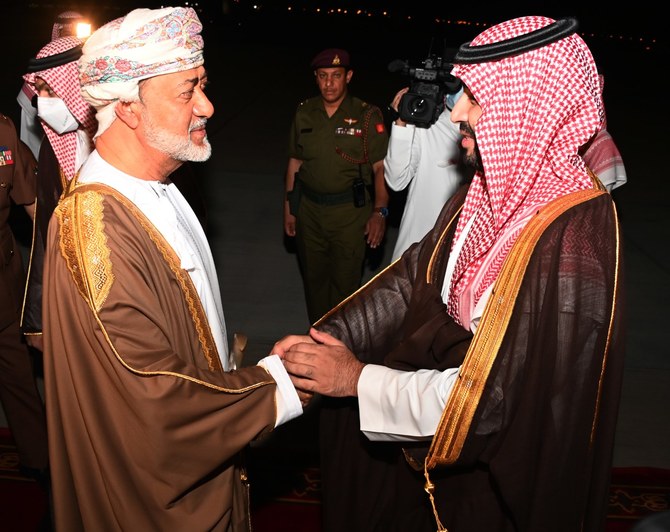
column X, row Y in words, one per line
column 399, row 405
column 288, row 402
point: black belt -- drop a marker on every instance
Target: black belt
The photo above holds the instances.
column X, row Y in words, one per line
column 327, row 199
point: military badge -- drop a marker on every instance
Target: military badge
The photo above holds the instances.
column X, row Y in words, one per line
column 6, row 156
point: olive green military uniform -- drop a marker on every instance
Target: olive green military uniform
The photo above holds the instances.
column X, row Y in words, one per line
column 330, row 237
column 20, row 397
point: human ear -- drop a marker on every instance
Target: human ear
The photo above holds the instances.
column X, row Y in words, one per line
column 128, row 113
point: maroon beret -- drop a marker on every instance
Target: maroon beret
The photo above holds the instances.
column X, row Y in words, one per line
column 332, row 57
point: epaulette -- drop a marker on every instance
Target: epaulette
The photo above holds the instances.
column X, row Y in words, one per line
column 369, row 107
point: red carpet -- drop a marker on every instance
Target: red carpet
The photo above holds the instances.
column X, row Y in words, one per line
column 285, row 495
column 636, row 492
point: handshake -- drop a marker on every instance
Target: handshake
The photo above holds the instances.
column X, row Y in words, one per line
column 319, row 363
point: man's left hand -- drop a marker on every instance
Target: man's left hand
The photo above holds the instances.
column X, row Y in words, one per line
column 375, row 229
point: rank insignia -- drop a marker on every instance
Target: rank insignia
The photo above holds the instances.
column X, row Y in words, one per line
column 6, row 156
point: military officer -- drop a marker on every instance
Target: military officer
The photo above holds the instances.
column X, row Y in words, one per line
column 337, row 201
column 21, row 401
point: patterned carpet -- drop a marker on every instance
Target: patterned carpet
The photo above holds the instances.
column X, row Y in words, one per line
column 636, row 492
column 289, row 498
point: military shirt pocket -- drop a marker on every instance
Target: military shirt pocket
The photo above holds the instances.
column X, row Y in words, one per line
column 11, row 284
column 7, row 250
column 350, row 142
column 6, row 175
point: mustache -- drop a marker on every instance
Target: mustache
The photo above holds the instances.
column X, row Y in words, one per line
column 198, row 124
column 465, row 129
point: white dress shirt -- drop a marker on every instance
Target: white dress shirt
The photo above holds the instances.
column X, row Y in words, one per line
column 397, row 405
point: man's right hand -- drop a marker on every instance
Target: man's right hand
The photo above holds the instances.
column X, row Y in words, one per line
column 326, row 367
column 395, row 104
column 289, row 222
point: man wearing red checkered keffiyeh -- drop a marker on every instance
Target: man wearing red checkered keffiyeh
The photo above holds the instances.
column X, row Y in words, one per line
column 537, row 109
column 63, row 80
column 492, row 349
column 69, row 127
column 602, row 156
column 67, row 23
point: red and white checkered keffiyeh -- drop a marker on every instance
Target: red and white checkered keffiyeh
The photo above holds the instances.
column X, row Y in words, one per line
column 602, row 156
column 538, row 108
column 64, row 81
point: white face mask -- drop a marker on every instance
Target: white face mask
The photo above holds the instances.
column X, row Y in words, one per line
column 55, row 113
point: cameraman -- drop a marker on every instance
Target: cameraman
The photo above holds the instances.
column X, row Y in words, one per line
column 429, row 161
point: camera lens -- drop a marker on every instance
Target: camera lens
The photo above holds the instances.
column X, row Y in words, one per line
column 418, row 107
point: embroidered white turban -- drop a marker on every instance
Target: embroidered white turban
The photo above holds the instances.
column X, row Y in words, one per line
column 143, row 44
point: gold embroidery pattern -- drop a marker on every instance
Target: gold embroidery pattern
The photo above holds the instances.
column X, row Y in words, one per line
column 82, row 227
column 190, row 294
column 611, row 323
column 67, row 213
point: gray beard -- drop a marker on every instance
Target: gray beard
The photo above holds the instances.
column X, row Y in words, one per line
column 175, row 146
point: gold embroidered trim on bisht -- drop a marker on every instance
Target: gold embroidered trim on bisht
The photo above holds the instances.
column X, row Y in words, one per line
column 459, row 411
column 33, row 243
column 191, row 297
column 67, row 212
column 82, row 228
column 200, row 321
column 617, row 271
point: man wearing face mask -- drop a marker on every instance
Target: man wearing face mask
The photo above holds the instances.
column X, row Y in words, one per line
column 67, row 23
column 69, row 124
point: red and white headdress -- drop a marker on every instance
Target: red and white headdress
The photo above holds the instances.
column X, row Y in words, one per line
column 56, row 63
column 537, row 85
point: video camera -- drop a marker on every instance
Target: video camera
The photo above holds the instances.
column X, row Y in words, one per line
column 424, row 102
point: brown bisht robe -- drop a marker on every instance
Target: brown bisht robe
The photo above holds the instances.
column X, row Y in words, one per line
column 525, row 442
column 145, row 429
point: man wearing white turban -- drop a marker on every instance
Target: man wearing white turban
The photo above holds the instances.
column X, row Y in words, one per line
column 147, row 413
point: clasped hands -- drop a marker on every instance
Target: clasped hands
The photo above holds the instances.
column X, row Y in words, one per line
column 319, row 363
